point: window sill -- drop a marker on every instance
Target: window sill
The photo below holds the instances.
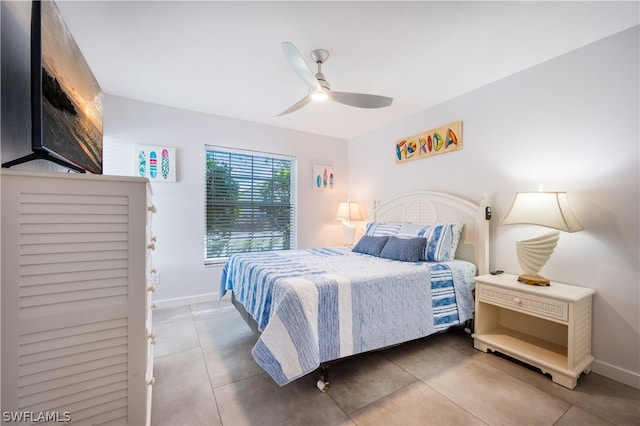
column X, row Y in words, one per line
column 215, row 262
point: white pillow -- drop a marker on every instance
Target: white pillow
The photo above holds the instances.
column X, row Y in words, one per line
column 411, row 230
column 380, row 229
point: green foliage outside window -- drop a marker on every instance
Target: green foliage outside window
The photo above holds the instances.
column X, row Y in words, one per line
column 249, row 203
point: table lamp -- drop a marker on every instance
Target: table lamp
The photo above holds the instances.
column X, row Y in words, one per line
column 348, row 211
column 549, row 209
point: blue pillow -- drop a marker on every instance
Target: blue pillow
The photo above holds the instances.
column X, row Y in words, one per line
column 403, row 249
column 439, row 245
column 370, row 245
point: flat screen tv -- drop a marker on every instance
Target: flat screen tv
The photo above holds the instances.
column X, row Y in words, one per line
column 66, row 99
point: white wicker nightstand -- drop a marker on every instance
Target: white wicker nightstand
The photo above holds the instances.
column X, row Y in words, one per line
column 547, row 327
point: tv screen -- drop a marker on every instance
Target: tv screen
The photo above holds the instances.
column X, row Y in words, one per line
column 66, row 97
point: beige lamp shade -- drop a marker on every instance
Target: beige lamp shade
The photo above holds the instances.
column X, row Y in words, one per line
column 549, row 209
column 348, row 211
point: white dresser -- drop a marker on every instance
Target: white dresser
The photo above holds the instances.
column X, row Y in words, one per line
column 548, row 327
column 76, row 296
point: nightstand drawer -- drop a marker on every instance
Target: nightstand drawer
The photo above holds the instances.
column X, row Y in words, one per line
column 523, row 302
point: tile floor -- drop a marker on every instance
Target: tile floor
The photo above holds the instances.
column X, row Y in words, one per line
column 205, row 375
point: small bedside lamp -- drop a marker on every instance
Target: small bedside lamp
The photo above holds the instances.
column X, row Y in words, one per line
column 550, row 209
column 348, row 211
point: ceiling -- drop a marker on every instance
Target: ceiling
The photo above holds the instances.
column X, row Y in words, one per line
column 225, row 58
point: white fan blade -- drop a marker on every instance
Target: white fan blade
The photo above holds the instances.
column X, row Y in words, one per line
column 302, row 102
column 361, row 100
column 299, row 65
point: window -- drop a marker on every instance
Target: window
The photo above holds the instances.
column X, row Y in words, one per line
column 249, row 201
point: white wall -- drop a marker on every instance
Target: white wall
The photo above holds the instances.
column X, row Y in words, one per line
column 179, row 222
column 570, row 123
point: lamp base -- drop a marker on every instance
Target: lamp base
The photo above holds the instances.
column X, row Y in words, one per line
column 349, row 232
column 533, row 279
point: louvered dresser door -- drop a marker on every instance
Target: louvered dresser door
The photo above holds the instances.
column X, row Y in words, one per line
column 73, row 296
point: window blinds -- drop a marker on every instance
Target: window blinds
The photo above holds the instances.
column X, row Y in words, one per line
column 249, row 201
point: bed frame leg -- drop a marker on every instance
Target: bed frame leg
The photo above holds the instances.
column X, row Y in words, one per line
column 468, row 326
column 323, row 382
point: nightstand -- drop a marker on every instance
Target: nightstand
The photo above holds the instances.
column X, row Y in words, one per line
column 547, row 327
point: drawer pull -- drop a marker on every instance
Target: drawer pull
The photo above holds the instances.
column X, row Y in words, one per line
column 153, row 271
column 151, row 381
column 152, row 208
column 154, row 306
column 151, row 246
column 517, row 301
column 152, row 335
column 151, row 288
column 154, row 239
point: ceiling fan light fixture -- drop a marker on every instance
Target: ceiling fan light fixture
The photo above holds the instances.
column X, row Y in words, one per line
column 319, row 96
column 319, row 89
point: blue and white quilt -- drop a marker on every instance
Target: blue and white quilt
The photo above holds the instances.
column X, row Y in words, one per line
column 318, row 305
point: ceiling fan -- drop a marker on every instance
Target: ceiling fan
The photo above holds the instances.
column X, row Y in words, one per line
column 319, row 89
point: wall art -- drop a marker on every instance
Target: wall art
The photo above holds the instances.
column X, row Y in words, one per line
column 323, row 178
column 157, row 163
column 436, row 141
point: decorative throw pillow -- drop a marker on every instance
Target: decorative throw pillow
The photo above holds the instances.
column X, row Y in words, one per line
column 379, row 229
column 404, row 249
column 457, row 232
column 370, row 245
column 441, row 242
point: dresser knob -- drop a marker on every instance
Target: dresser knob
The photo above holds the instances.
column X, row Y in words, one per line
column 517, row 301
column 152, row 208
column 151, row 288
column 153, row 271
column 154, row 306
column 151, row 381
column 151, row 246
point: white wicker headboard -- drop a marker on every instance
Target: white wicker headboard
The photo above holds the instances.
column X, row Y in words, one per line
column 437, row 207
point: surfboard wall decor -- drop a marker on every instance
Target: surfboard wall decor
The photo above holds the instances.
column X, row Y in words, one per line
column 157, row 163
column 323, row 177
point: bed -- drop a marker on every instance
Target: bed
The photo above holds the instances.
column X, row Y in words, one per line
column 314, row 306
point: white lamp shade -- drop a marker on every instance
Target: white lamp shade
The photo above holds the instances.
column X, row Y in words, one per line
column 349, row 211
column 550, row 209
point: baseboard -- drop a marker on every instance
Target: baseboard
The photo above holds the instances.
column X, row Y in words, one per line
column 189, row 300
column 616, row 373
